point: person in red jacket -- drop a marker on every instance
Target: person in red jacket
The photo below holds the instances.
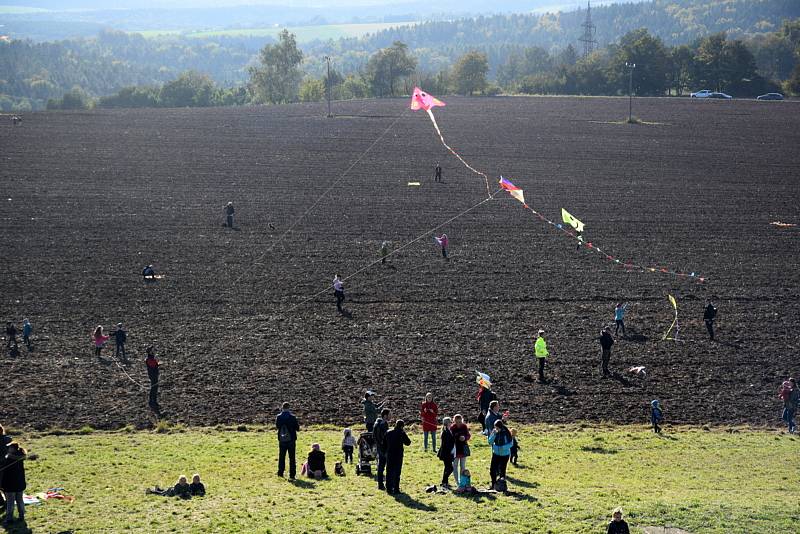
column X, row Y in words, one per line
column 430, row 417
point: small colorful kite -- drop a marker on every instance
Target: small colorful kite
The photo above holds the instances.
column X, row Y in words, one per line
column 571, row 220
column 483, row 380
column 422, row 100
column 513, row 190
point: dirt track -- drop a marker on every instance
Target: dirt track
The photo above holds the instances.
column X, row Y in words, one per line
column 94, row 196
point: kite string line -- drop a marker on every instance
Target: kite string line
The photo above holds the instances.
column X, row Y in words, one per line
column 627, row 265
column 467, row 165
column 395, row 251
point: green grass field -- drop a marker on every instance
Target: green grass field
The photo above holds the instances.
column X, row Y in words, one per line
column 568, row 480
column 303, row 34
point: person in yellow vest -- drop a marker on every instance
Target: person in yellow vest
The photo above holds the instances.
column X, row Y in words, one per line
column 540, row 348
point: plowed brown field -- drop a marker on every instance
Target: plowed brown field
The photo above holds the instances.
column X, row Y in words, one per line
column 89, row 198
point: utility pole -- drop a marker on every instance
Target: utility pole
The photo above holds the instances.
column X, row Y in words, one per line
column 328, row 84
column 630, row 67
column 589, row 33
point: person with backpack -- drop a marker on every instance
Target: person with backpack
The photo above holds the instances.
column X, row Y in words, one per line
column 396, row 441
column 501, row 441
column 606, row 341
column 120, row 337
column 379, row 431
column 288, row 426
column 789, row 394
column 709, row 314
column 447, row 451
column 429, row 413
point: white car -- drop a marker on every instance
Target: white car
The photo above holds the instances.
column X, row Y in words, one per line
column 705, row 93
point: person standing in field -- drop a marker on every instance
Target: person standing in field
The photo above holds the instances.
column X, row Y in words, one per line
column 501, row 441
column 461, row 436
column 153, row 371
column 396, row 441
column 120, row 338
column 379, row 431
column 619, row 317
column 384, row 251
column 617, row 524
column 348, row 444
column 656, row 415
column 99, row 339
column 485, row 397
column 447, row 449
column 14, row 483
column 606, row 341
column 338, row 292
column 370, row 410
column 229, row 211
column 492, row 415
column 288, row 426
column 709, row 314
column 429, row 413
column 790, row 396
column 27, row 330
column 11, row 335
column 443, row 242
column 437, row 177
column 540, row 349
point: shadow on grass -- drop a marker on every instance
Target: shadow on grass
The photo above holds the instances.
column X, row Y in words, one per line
column 410, row 502
column 524, row 497
column 664, row 436
column 598, row 450
column 305, row 484
column 17, row 527
column 522, row 483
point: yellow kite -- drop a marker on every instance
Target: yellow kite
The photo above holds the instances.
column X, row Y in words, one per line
column 570, row 220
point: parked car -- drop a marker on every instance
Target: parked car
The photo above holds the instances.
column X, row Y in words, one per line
column 705, row 93
column 720, row 95
column 770, row 96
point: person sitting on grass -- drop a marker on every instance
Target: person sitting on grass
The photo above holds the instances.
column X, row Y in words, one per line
column 617, row 525
column 181, row 489
column 148, row 272
column 316, row 463
column 196, row 488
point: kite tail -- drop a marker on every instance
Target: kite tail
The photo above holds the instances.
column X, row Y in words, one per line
column 467, row 165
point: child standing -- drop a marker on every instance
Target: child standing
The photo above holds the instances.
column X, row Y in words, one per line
column 99, row 340
column 27, row 330
column 515, row 446
column 619, row 317
column 464, row 482
column 656, row 415
column 443, row 242
column 348, row 444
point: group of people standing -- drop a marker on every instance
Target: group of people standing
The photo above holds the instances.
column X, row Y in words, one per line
column 12, row 345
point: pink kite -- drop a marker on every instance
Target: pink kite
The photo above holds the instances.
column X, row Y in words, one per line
column 512, row 189
column 422, row 100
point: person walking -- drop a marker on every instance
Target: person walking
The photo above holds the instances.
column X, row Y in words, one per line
column 153, row 371
column 443, row 242
column 11, row 335
column 447, row 449
column 396, row 441
column 790, row 395
column 540, row 349
column 229, row 211
column 606, row 341
column 120, row 338
column 27, row 330
column 461, row 436
column 619, row 317
column 617, row 524
column 501, row 441
column 14, row 483
column 485, row 398
column 99, row 339
column 492, row 415
column 379, row 431
column 437, row 177
column 429, row 413
column 287, row 425
column 338, row 291
column 709, row 314
column 370, row 410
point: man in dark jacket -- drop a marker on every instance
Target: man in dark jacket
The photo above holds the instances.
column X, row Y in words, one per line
column 485, row 398
column 606, row 341
column 396, row 441
column 447, row 445
column 709, row 315
column 287, row 426
column 11, row 334
column 229, row 211
column 153, row 370
column 120, row 337
column 379, row 430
